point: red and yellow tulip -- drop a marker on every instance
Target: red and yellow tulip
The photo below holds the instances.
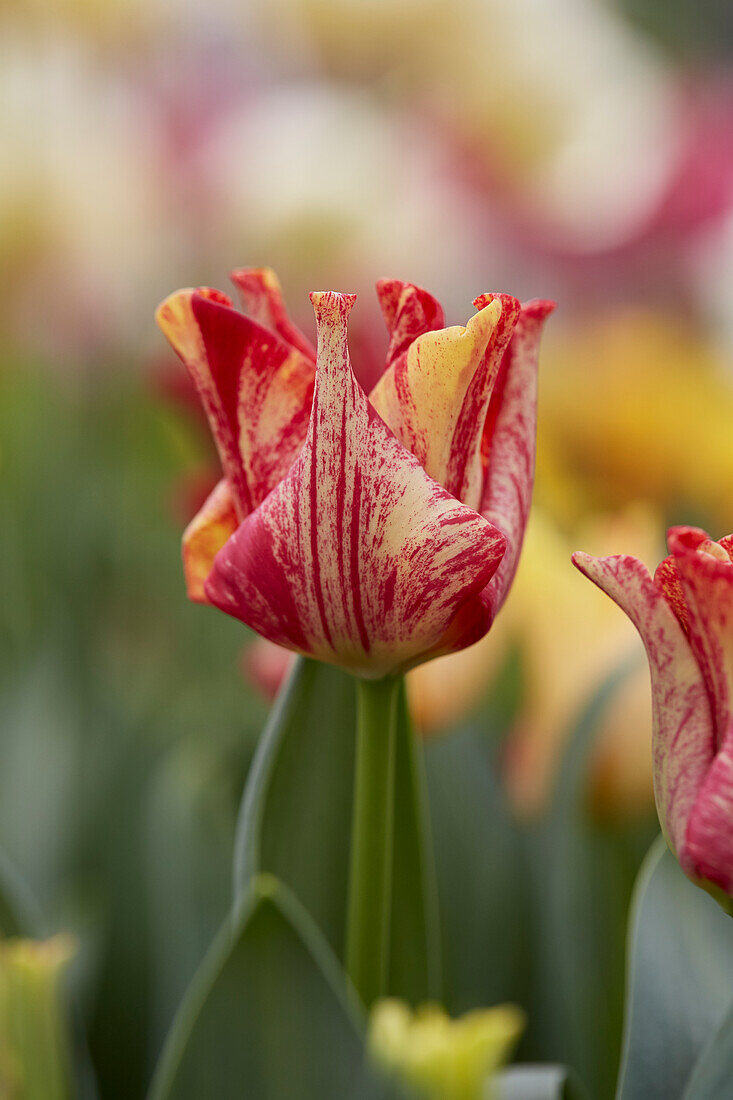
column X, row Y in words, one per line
column 685, row 617
column 371, row 533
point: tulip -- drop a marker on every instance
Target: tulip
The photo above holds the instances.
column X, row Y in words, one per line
column 369, row 533
column 685, row 617
column 439, row 1057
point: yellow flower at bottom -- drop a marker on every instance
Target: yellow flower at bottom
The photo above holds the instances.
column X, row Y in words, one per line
column 34, row 1055
column 440, row 1057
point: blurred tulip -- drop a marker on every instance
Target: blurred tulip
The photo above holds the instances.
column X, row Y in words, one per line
column 570, row 119
column 615, row 393
column 441, row 1058
column 684, row 616
column 34, row 1053
column 567, row 646
column 329, row 210
column 326, row 534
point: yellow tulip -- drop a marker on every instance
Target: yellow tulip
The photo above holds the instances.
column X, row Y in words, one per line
column 443, row 1058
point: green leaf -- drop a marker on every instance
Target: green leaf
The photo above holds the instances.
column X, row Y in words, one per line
column 582, row 878
column 481, row 878
column 268, row 1015
column 19, row 915
column 711, row 1078
column 538, row 1083
column 680, row 984
column 296, row 821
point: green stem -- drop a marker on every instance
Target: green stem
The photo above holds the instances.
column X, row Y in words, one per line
column 372, row 838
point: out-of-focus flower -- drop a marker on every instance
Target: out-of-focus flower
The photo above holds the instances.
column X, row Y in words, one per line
column 567, row 645
column 615, row 393
column 329, row 534
column 34, row 1054
column 443, row 1058
column 317, row 203
column 685, row 617
column 572, row 122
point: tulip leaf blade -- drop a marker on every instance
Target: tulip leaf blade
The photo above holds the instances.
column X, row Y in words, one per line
column 538, row 1083
column 680, row 981
column 269, row 1014
column 19, row 913
column 712, row 1075
column 296, row 822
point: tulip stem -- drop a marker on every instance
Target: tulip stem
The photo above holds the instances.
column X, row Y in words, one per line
column 372, row 837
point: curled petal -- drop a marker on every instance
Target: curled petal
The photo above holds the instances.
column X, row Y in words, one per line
column 705, row 574
column 204, row 537
column 683, row 745
column 216, row 386
column 429, row 400
column 408, row 312
column 357, row 557
column 262, row 299
column 255, row 388
column 509, row 443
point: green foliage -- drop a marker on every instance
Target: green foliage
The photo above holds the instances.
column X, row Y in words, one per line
column 680, row 993
column 297, row 814
column 269, row 1014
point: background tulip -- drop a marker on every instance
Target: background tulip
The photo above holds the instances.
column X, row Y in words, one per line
column 684, row 617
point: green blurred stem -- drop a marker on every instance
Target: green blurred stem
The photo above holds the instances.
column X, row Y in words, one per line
column 372, row 837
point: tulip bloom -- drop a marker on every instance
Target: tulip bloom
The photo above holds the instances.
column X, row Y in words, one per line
column 439, row 1057
column 685, row 617
column 371, row 533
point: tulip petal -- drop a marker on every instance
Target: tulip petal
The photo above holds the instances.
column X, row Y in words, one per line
column 261, row 295
column 435, row 397
column 208, row 531
column 710, row 830
column 408, row 312
column 706, row 578
column 255, row 388
column 509, row 443
column 683, row 745
column 357, row 557
column 218, row 393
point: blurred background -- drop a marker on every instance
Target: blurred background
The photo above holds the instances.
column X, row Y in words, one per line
column 580, row 150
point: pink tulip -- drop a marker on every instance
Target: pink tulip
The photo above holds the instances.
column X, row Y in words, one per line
column 685, row 617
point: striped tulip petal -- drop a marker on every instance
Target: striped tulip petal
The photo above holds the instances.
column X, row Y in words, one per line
column 683, row 744
column 705, row 573
column 509, row 441
column 204, row 537
column 709, row 831
column 358, row 557
column 435, row 398
column 685, row 617
column 256, row 389
column 262, row 299
column 408, row 312
column 177, row 320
